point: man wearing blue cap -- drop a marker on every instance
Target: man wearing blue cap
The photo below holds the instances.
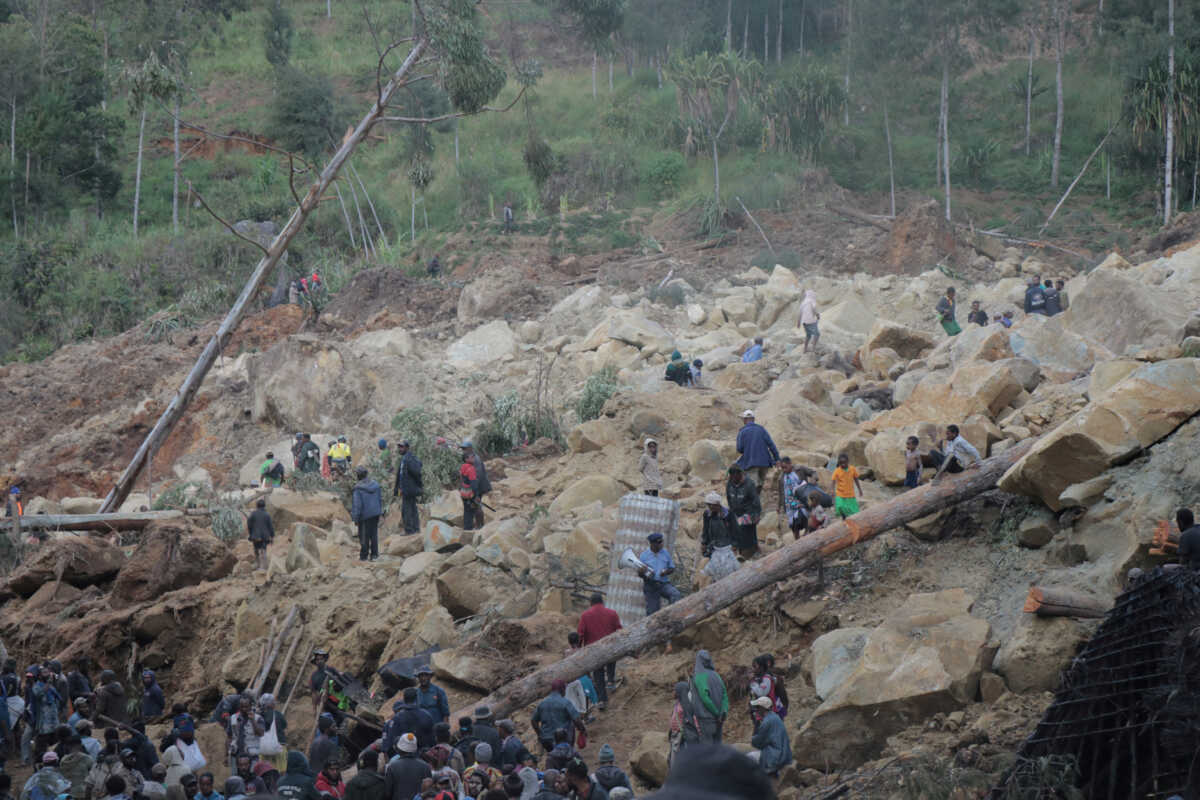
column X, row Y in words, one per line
column 14, row 507
column 655, row 583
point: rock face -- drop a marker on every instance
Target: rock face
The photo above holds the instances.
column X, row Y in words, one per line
column 485, row 345
column 307, row 383
column 587, row 490
column 389, row 343
column 303, row 552
column 925, row 658
column 170, row 557
column 472, row 588
column 835, row 656
column 649, row 758
column 320, row 509
column 1134, row 414
column 78, row 560
column 977, row 387
column 1149, row 315
column 905, row 341
column 1038, row 650
column 491, row 294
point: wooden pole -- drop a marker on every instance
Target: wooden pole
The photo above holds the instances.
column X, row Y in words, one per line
column 90, row 522
column 266, row 266
column 276, row 644
column 296, row 683
column 287, row 660
column 1058, row 601
column 754, row 576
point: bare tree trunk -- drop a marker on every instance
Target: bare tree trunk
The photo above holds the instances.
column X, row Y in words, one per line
column 1059, row 43
column 887, row 131
column 1100, row 18
column 266, row 266
column 1107, row 177
column 716, row 172
column 849, row 48
column 1029, row 91
column 370, row 204
column 137, row 179
column 175, row 173
column 779, row 36
column 658, row 70
column 746, row 33
column 766, row 36
column 346, row 216
column 803, row 18
column 946, row 130
column 610, row 74
column 1169, row 159
column 728, row 25
column 12, row 164
column 751, row 577
column 364, row 234
column 595, row 58
column 329, row 11
column 456, row 121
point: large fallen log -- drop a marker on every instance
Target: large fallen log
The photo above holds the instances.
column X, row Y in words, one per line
column 134, row 520
column 754, row 576
column 1057, row 601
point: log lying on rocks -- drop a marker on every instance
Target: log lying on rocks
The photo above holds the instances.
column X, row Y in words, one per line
column 91, row 522
column 1056, row 601
column 754, row 576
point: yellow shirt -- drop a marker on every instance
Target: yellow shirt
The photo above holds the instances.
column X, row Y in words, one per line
column 843, row 481
column 341, row 450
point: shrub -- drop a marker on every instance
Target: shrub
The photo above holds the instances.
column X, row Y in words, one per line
column 597, row 389
column 515, row 422
column 671, row 296
column 662, row 175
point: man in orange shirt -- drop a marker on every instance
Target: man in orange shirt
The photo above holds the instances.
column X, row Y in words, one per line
column 594, row 624
column 845, row 482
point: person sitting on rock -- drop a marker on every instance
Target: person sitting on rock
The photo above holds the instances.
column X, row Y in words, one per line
column 696, row 372
column 677, row 370
column 1189, row 538
column 955, row 451
column 774, row 750
column 977, row 315
column 754, row 352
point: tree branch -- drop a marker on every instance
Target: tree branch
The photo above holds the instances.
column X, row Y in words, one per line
column 221, row 220
column 456, row 114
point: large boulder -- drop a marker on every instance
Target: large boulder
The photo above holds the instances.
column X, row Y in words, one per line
column 1149, row 316
column 1038, row 650
column 633, row 328
column 1058, row 351
column 587, row 490
column 835, row 655
column 1144, row 407
column 925, row 658
column 304, row 552
column 170, row 556
column 850, row 319
column 473, row 588
column 492, row 294
column 593, row 435
column 441, row 536
column 80, row 505
column 795, row 422
column 649, row 759
column 977, row 387
column 752, row 377
column 739, row 307
column 705, row 461
column 885, row 452
column 78, row 560
column 387, row 343
column 319, row 509
column 485, row 345
column 907, row 342
column 307, row 382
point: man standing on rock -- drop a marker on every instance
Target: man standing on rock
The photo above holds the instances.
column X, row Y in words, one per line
column 110, row 699
column 431, row 699
column 409, row 717
column 409, row 486
column 1035, row 297
column 945, row 310
column 308, row 457
column 154, row 702
column 809, row 317
column 710, row 701
column 655, row 577
column 483, row 486
column 1053, row 303
column 956, row 452
column 746, row 508
column 594, row 624
column 261, row 530
column 757, row 449
column 652, row 482
column 366, row 506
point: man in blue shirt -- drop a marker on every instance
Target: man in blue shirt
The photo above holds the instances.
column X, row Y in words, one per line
column 754, row 352
column 757, row 449
column 555, row 713
column 655, row 583
column 431, row 699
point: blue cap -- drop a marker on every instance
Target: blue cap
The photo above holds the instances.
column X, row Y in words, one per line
column 383, row 444
column 467, row 443
column 15, row 490
column 654, row 537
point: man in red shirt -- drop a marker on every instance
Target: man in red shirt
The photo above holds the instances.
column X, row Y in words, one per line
column 594, row 624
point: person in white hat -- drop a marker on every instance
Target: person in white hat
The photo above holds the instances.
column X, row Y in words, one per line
column 756, row 448
column 717, row 538
column 652, row 481
column 770, row 737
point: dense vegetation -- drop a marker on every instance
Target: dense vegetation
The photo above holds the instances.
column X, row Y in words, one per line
column 686, row 106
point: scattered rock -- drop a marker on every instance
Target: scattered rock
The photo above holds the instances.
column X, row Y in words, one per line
column 586, row 490
column 1037, row 650
column 440, row 536
column 991, row 687
column 318, row 509
column 485, row 345
column 590, row 436
column 1035, row 531
column 649, row 758
column 696, row 314
column 303, row 552
column 78, row 560
column 632, row 328
column 80, row 505
column 403, row 545
column 906, row 342
column 417, row 565
column 472, row 588
column 169, row 557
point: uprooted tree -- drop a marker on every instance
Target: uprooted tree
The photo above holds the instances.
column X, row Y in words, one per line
column 446, row 46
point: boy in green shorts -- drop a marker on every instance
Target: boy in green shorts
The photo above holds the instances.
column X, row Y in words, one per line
column 845, row 482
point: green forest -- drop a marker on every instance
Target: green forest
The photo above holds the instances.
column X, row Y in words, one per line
column 133, row 129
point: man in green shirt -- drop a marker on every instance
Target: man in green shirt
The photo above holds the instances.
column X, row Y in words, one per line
column 271, row 472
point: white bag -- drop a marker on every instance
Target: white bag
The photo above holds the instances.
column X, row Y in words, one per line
column 269, row 744
column 722, row 563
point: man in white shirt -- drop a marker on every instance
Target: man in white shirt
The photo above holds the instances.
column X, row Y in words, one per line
column 957, row 451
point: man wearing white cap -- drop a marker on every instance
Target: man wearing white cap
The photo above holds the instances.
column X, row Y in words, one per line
column 756, row 447
column 770, row 737
column 717, row 538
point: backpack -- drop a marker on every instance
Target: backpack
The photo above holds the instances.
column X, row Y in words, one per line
column 276, row 472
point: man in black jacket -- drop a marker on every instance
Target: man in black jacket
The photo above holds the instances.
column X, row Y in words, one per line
column 404, row 775
column 484, row 730
column 262, row 532
column 368, row 784
column 409, row 486
column 744, row 505
column 409, row 717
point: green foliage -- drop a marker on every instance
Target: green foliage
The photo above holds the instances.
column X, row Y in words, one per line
column 516, row 421
column 663, row 174
column 439, row 464
column 278, row 34
column 472, row 78
column 596, row 390
column 671, row 296
column 975, row 158
column 304, row 115
column 228, row 520
column 799, row 102
column 539, row 159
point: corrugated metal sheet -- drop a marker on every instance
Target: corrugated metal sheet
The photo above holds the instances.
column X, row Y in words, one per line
column 639, row 515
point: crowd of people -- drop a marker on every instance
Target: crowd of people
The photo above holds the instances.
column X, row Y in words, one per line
column 1042, row 297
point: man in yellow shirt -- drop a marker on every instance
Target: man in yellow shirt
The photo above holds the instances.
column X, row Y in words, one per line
column 339, row 455
column 845, row 482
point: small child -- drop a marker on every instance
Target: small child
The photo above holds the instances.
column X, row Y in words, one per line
column 817, row 518
column 845, row 482
column 696, row 371
column 912, row 462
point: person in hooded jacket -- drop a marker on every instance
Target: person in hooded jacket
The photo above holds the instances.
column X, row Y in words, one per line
column 710, row 701
column 366, row 507
column 405, row 773
column 715, row 772
column 685, row 727
column 409, row 717
column 154, row 702
column 110, row 698
column 298, row 783
column 367, row 783
column 607, row 773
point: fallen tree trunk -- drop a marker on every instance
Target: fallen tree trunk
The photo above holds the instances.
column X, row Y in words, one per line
column 883, row 223
column 266, row 265
column 1057, row 601
column 754, row 576
column 275, row 644
column 92, row 522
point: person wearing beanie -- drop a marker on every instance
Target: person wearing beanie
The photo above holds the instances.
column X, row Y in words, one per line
column 607, row 773
column 406, row 772
column 483, row 765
